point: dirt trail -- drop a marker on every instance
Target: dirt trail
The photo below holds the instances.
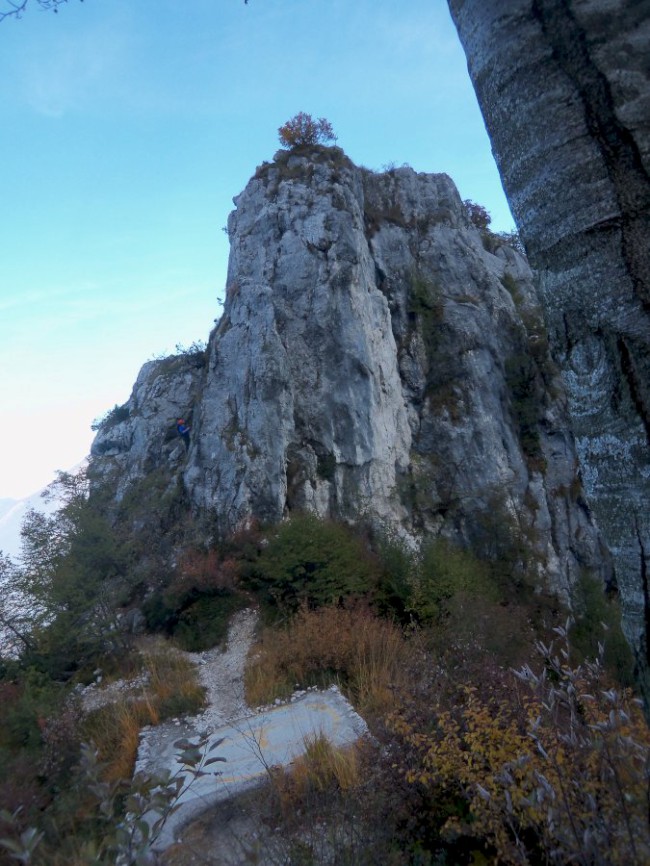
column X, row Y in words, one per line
column 248, row 741
column 221, row 672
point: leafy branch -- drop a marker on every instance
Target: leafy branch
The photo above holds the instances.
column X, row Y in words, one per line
column 128, row 816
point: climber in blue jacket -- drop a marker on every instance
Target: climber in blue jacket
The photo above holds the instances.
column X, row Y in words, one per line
column 183, row 432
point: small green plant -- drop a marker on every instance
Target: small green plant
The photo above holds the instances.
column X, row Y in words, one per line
column 303, row 129
column 426, row 313
column 112, row 418
column 116, row 821
column 510, row 284
column 597, row 619
column 197, row 347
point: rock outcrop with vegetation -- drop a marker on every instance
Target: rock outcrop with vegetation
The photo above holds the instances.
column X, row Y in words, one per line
column 379, row 460
column 379, row 357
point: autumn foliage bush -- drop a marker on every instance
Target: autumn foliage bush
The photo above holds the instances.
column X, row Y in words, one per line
column 304, row 129
column 477, row 214
column 365, row 655
column 555, row 770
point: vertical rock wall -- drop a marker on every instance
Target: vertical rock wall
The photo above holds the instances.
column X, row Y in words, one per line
column 302, row 406
column 378, row 357
column 564, row 87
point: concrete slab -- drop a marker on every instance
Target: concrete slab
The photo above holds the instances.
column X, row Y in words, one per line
column 251, row 747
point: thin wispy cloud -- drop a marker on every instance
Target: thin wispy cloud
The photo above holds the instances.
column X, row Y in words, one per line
column 75, row 72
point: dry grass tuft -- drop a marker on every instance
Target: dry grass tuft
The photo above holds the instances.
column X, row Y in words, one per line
column 320, row 773
column 325, row 764
column 115, row 731
column 365, row 655
column 173, row 685
column 171, row 689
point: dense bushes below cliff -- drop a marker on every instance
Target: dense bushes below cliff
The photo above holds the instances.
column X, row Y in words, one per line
column 420, row 640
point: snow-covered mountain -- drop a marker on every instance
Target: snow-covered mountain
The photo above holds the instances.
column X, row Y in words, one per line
column 13, row 511
column 12, row 514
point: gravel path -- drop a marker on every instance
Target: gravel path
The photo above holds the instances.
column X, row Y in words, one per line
column 249, row 741
column 221, row 672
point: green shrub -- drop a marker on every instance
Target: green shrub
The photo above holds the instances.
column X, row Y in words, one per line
column 195, row 606
column 598, row 620
column 204, row 623
column 523, row 383
column 395, row 577
column 425, row 309
column 196, row 622
column 112, row 418
column 311, row 561
column 446, row 571
column 24, row 704
column 72, row 575
column 431, row 584
column 326, row 467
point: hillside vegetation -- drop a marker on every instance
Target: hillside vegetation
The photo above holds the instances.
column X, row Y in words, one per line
column 504, row 731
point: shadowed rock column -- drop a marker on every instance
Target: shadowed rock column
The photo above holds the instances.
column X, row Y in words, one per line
column 564, row 88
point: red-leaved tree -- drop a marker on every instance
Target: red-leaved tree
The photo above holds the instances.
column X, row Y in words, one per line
column 304, row 129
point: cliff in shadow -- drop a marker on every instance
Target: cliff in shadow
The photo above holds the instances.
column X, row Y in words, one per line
column 564, row 88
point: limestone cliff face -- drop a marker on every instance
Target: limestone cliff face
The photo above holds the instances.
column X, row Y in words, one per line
column 140, row 437
column 564, row 87
column 374, row 359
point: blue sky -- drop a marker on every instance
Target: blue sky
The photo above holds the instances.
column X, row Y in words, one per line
column 129, row 125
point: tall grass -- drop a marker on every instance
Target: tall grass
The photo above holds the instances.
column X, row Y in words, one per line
column 352, row 647
column 322, row 769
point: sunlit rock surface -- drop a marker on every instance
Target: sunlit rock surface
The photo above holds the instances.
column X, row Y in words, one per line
column 379, row 358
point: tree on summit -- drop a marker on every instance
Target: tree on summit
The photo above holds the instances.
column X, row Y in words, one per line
column 477, row 214
column 304, row 129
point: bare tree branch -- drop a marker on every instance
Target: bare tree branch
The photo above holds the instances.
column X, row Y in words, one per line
column 18, row 8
